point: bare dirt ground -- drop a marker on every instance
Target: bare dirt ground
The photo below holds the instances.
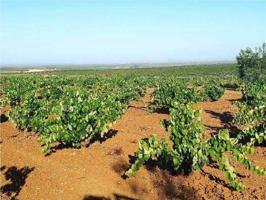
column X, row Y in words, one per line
column 94, row 172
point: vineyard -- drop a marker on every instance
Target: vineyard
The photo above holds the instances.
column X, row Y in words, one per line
column 134, row 134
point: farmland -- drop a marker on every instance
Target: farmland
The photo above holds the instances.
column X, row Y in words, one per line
column 192, row 132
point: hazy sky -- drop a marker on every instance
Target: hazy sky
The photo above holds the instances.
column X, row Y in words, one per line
column 109, row 31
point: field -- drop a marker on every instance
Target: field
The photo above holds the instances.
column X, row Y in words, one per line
column 191, row 132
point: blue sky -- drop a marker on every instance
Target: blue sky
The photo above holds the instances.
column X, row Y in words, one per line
column 109, row 31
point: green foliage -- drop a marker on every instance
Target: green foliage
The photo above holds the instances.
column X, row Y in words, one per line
column 252, row 112
column 153, row 148
column 248, row 115
column 189, row 151
column 252, row 63
column 213, row 91
column 169, row 91
column 69, row 110
column 254, row 135
column 215, row 70
column 186, row 134
column 254, row 93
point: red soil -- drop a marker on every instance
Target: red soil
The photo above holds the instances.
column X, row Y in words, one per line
column 95, row 172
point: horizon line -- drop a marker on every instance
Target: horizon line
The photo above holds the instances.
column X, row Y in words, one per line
column 121, row 64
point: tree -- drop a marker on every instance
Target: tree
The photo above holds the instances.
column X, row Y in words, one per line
column 252, row 63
